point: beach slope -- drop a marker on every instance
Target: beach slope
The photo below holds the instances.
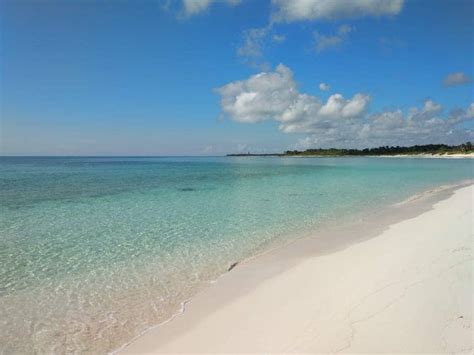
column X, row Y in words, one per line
column 408, row 290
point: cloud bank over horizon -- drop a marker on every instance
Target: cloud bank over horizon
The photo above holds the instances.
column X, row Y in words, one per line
column 338, row 121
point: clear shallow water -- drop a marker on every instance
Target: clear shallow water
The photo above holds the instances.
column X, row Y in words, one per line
column 93, row 251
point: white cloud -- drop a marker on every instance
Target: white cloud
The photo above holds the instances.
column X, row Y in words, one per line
column 470, row 111
column 253, row 42
column 338, row 121
column 324, row 42
column 194, row 7
column 278, row 38
column 274, row 95
column 337, row 106
column 304, row 10
column 393, row 128
column 262, row 96
column 458, row 78
column 324, row 87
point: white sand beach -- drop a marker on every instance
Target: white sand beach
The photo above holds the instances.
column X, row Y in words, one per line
column 406, row 288
column 434, row 156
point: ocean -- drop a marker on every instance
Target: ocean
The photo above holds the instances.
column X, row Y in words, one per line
column 95, row 250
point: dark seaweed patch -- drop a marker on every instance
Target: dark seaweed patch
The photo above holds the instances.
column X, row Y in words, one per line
column 231, row 266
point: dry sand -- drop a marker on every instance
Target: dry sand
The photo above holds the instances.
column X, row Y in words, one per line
column 408, row 290
column 435, row 156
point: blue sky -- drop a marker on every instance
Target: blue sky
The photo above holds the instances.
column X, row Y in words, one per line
column 205, row 77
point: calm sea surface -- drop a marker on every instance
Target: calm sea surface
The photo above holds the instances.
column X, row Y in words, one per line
column 93, row 251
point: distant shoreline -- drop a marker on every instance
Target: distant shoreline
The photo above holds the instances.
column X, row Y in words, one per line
column 420, row 151
column 419, row 155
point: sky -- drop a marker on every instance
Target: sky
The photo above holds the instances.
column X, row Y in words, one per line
column 210, row 77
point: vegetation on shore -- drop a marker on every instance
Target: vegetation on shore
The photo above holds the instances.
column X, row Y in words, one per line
column 434, row 149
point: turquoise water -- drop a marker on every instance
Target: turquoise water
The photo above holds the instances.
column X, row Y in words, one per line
column 93, row 251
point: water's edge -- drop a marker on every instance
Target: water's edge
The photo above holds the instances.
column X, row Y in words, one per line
column 324, row 241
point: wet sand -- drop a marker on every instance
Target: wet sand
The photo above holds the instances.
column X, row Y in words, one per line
column 398, row 281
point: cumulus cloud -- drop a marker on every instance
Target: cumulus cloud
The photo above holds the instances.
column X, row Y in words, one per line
column 194, row 7
column 305, row 10
column 419, row 126
column 338, row 121
column 455, row 79
column 324, row 42
column 274, row 95
column 324, row 87
column 263, row 96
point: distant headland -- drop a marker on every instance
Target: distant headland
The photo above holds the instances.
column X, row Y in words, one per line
column 419, row 150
